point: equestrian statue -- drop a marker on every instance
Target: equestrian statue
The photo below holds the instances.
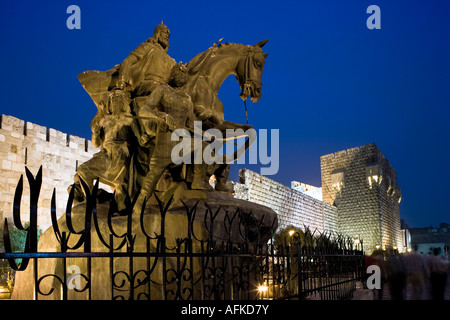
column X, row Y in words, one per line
column 144, row 99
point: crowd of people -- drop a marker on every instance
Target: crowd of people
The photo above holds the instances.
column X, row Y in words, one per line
column 412, row 276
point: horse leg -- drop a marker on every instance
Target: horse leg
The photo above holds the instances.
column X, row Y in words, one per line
column 199, row 169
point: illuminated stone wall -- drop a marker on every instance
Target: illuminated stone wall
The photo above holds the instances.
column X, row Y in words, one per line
column 292, row 207
column 28, row 144
column 359, row 186
column 362, row 184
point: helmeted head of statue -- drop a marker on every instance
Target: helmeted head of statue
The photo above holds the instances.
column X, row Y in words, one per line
column 162, row 35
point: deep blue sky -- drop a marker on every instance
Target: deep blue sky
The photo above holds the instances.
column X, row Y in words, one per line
column 330, row 83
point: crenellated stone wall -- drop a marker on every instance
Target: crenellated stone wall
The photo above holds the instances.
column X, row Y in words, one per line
column 359, row 186
column 292, row 207
column 31, row 145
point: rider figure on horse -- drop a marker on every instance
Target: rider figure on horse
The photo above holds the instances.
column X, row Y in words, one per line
column 151, row 80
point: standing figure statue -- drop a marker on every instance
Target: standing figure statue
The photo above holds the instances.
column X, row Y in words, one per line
column 118, row 134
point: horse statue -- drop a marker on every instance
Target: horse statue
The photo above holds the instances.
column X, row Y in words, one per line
column 205, row 74
column 208, row 70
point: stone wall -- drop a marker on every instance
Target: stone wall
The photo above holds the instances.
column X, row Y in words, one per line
column 363, row 185
column 292, row 207
column 28, row 144
column 359, row 186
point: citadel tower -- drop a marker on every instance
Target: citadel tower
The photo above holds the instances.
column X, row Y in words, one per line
column 362, row 184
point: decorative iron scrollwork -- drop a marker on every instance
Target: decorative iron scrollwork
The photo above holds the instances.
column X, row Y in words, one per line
column 194, row 267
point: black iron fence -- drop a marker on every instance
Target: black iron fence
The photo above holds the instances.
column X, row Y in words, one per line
column 90, row 254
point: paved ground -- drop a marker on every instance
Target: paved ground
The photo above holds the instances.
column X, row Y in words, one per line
column 367, row 294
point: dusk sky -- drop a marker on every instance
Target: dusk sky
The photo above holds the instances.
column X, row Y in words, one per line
column 329, row 82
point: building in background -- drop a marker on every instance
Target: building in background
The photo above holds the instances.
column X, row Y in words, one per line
column 359, row 198
column 362, row 184
column 406, row 236
column 315, row 192
column 429, row 238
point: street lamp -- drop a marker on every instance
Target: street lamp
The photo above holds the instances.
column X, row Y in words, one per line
column 262, row 290
column 294, row 235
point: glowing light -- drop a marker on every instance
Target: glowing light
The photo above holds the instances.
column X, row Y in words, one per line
column 389, row 189
column 374, row 179
column 338, row 185
column 263, row 288
column 291, row 232
column 5, row 294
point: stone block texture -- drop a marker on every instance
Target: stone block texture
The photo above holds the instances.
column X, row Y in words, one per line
column 292, row 207
column 362, row 184
column 31, row 145
column 359, row 186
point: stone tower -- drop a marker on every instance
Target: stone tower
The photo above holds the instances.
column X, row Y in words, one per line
column 362, row 184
